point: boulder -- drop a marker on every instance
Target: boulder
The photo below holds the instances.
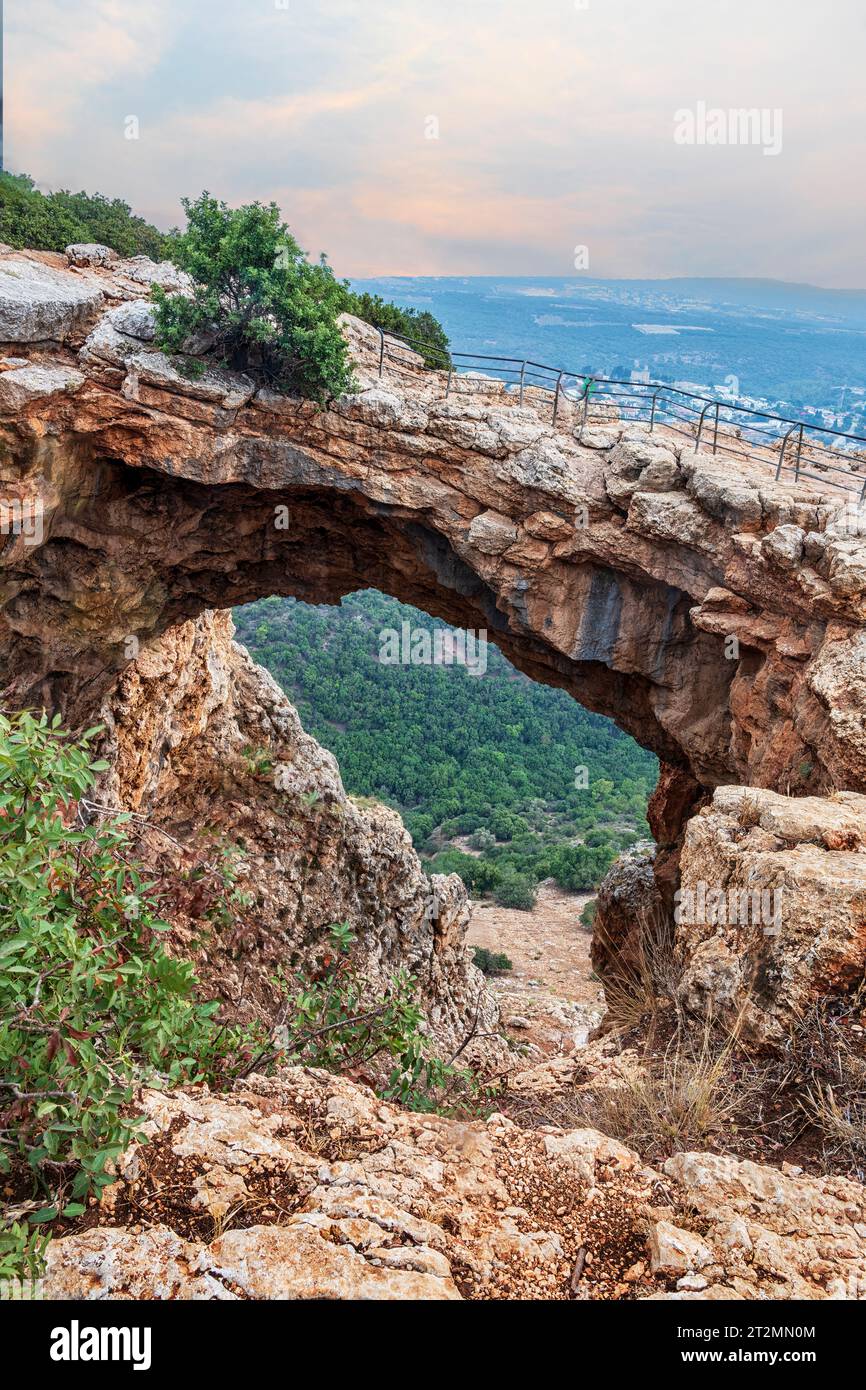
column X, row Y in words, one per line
column 89, row 253
column 147, row 272
column 22, row 386
column 41, row 304
column 772, row 908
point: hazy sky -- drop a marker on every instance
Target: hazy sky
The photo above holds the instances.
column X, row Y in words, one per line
column 555, row 120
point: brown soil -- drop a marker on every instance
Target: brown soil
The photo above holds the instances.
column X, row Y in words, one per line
column 551, row 985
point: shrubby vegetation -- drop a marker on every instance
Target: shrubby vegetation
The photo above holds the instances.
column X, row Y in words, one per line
column 261, row 306
column 330, row 1022
column 426, row 334
column 481, row 769
column 490, row 962
column 53, row 221
column 91, row 1004
column 257, row 302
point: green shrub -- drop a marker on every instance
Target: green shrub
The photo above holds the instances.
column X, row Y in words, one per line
column 111, row 222
column 587, row 916
column 330, row 1021
column 482, row 840
column 22, row 1252
column 53, row 221
column 258, row 301
column 580, row 868
column 479, row 875
column 91, row 1005
column 490, row 962
column 516, row 891
column 425, row 332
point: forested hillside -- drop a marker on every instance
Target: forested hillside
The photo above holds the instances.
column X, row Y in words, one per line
column 501, row 780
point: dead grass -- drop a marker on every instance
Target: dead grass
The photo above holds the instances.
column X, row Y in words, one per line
column 842, row 1122
column 750, row 812
column 697, row 1084
column 695, row 1094
column 643, row 986
column 829, row 1068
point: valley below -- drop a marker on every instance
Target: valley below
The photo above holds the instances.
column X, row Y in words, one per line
column 550, row 1000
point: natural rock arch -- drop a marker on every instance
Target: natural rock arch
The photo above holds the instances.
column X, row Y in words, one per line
column 715, row 614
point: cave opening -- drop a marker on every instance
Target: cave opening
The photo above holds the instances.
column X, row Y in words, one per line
column 504, row 780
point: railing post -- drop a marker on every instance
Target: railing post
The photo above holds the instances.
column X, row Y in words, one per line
column 716, row 431
column 701, row 425
column 381, row 351
column 782, row 452
column 653, row 410
column 585, row 402
column 556, row 397
column 522, row 380
column 797, row 460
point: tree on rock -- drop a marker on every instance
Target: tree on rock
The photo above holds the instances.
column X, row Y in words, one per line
column 257, row 302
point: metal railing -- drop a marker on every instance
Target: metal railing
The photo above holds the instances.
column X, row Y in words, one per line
column 831, row 457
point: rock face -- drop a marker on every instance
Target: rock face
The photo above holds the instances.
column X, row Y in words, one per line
column 200, row 741
column 39, row 303
column 716, row 615
column 772, row 907
column 307, row 1186
column 629, row 907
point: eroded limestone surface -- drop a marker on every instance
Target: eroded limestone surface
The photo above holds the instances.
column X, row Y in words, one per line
column 307, row 1186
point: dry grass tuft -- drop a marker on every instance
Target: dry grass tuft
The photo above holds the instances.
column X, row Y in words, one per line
column 643, row 985
column 830, row 1069
column 842, row 1122
column 693, row 1095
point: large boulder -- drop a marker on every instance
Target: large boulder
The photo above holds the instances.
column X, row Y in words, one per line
column 771, row 910
column 90, row 253
column 41, row 304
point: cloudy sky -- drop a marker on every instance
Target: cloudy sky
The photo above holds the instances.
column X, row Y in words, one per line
column 554, row 120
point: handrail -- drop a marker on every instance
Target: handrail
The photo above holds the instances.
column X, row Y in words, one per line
column 732, row 423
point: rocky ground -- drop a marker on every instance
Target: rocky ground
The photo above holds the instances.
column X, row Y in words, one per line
column 305, row 1185
column 308, row 1186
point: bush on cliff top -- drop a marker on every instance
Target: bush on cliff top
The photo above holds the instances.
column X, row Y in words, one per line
column 424, row 332
column 53, row 221
column 264, row 308
column 257, row 300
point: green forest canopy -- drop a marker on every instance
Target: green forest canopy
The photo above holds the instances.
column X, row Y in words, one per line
column 481, row 768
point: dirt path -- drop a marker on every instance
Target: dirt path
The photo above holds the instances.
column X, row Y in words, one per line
column 550, row 999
